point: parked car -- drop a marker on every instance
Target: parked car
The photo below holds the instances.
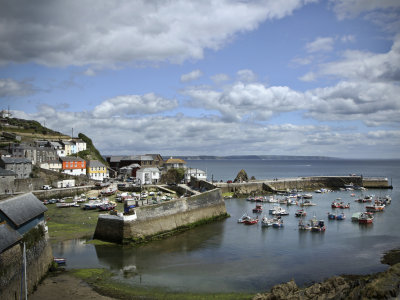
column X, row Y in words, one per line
column 46, row 187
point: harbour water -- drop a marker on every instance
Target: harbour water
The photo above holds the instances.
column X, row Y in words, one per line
column 229, row 257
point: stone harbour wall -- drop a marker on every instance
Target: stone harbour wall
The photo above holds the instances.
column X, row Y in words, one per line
column 39, row 259
column 161, row 218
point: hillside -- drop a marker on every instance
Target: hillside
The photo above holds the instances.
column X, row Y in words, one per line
column 30, row 130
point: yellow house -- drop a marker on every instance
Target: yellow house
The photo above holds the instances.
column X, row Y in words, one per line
column 96, row 170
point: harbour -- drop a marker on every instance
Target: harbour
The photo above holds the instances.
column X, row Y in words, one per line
column 230, row 257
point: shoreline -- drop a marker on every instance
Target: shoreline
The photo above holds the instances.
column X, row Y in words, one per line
column 97, row 284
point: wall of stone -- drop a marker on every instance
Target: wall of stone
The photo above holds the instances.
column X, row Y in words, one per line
column 39, row 259
column 7, row 185
column 377, row 183
column 160, row 218
column 60, row 193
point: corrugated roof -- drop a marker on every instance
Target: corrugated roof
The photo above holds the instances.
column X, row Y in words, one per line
column 21, row 209
column 9, row 236
column 16, row 160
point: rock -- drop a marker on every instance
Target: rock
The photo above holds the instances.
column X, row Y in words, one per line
column 241, row 176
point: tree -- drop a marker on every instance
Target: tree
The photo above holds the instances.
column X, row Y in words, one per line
column 173, row 176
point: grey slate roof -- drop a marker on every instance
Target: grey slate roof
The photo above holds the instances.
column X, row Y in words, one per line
column 15, row 160
column 9, row 236
column 95, row 164
column 4, row 172
column 115, row 158
column 71, row 158
column 22, row 208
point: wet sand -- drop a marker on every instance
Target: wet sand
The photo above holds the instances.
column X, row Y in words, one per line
column 65, row 287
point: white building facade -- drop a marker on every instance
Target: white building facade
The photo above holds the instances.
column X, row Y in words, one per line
column 148, row 175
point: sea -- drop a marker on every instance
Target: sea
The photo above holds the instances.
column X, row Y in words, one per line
column 227, row 256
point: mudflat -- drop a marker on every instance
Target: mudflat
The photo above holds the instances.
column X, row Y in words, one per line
column 66, row 287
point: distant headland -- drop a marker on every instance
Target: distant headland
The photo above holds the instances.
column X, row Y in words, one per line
column 255, row 157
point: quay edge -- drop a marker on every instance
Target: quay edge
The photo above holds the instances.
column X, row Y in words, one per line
column 304, row 183
column 163, row 219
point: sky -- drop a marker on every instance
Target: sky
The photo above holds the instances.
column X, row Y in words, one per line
column 212, row 77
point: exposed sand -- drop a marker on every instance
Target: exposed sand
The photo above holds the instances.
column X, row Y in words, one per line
column 65, row 287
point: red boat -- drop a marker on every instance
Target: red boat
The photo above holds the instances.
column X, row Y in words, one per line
column 251, row 221
column 375, row 208
column 257, row 209
column 365, row 218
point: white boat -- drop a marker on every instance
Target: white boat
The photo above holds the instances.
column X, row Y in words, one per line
column 265, row 222
column 278, row 211
column 244, row 218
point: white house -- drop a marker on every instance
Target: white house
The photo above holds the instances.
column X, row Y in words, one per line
column 59, row 148
column 80, row 145
column 148, row 175
column 53, row 165
column 197, row 173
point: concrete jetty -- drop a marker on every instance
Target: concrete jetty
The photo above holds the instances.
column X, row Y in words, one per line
column 304, row 183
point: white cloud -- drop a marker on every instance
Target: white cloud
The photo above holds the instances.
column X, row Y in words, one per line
column 191, row 76
column 219, row 78
column 133, row 105
column 308, row 77
column 252, row 101
column 347, row 38
column 62, row 33
column 359, row 65
column 320, row 44
column 210, row 135
column 246, row 75
column 352, row 8
column 12, row 88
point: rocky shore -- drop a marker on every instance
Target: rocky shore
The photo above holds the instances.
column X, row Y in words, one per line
column 383, row 285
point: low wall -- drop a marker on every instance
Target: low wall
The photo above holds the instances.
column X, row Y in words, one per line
column 377, row 183
column 304, row 183
column 161, row 218
column 60, row 193
column 39, row 259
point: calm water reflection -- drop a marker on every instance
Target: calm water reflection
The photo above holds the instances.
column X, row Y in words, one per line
column 227, row 256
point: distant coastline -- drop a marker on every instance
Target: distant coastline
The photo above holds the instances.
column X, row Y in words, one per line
column 255, row 157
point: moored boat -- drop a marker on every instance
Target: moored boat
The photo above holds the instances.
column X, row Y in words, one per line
column 251, row 221
column 244, row 218
column 375, row 208
column 365, row 218
column 258, row 208
column 303, row 226
column 300, row 213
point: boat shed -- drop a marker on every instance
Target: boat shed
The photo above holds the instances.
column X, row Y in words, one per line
column 22, row 212
column 9, row 237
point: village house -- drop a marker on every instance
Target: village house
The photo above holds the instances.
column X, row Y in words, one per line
column 22, row 167
column 7, row 178
column 53, row 165
column 37, row 154
column 148, row 175
column 68, row 147
column 73, row 165
column 196, row 173
column 175, row 163
column 96, row 170
column 22, row 212
column 129, row 171
column 59, row 148
column 79, row 144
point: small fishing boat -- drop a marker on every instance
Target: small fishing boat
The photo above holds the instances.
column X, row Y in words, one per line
column 60, row 261
column 300, row 213
column 251, row 221
column 279, row 211
column 317, row 225
column 244, row 218
column 277, row 222
column 258, row 208
column 375, row 208
column 303, row 226
column 343, row 206
column 307, row 202
column 331, row 216
column 340, row 217
column 291, row 201
column 365, row 218
column 265, row 222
